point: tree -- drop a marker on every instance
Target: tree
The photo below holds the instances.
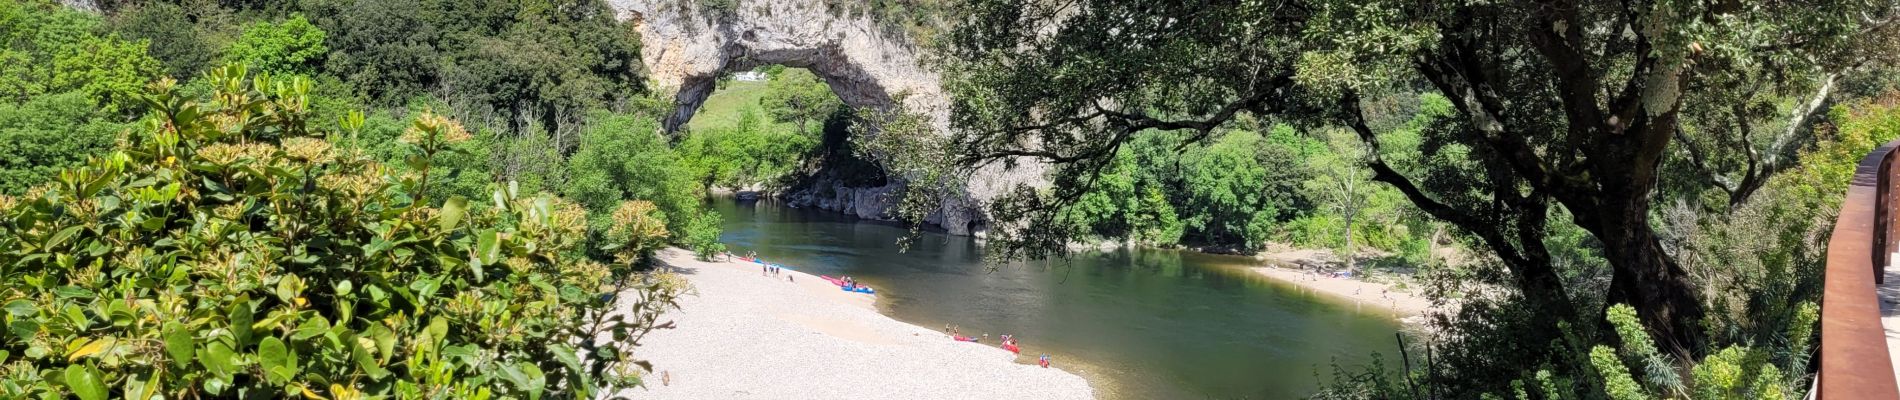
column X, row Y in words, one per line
column 292, row 46
column 623, row 157
column 48, row 134
column 113, row 71
column 1124, row 203
column 798, row 97
column 51, row 49
column 1559, row 105
column 1226, row 191
column 550, row 64
column 1342, row 182
column 175, row 40
column 391, row 50
column 65, row 92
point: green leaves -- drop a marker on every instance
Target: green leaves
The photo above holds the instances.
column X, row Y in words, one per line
column 292, row 46
column 451, row 213
column 73, row 292
column 487, row 251
column 21, row 308
column 178, row 343
column 218, row 358
column 279, row 362
column 85, row 382
column 240, row 320
column 60, row 238
column 311, row 328
column 310, row 273
column 525, row 376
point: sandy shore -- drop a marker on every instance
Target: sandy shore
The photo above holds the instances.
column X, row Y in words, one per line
column 747, row 336
column 1371, row 294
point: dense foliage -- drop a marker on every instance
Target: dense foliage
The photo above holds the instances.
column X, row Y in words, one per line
column 67, row 99
column 797, row 96
column 1243, row 190
column 42, row 135
column 753, row 135
column 226, row 248
column 249, row 249
column 624, row 157
column 293, row 46
column 49, row 49
column 497, row 63
column 66, row 88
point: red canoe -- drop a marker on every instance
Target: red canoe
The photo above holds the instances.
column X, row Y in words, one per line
column 834, row 281
column 1013, row 348
column 965, row 339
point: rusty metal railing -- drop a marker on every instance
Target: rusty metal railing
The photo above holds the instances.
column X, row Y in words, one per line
column 1854, row 362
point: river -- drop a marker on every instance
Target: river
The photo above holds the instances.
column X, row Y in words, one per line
column 1138, row 324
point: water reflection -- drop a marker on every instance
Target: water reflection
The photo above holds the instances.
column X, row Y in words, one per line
column 1139, row 324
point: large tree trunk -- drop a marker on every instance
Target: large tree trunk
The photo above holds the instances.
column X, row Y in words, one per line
column 1644, row 276
column 1652, row 282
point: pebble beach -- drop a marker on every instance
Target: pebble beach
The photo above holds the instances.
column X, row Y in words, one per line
column 748, row 336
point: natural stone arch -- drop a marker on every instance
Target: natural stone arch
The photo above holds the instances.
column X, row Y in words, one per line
column 686, row 48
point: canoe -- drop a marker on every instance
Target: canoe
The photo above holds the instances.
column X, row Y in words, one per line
column 842, row 285
column 834, row 281
column 1013, row 348
column 965, row 339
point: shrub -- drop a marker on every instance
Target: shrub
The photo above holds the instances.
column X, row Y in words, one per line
column 225, row 249
column 292, row 46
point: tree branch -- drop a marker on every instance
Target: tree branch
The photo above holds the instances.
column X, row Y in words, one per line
column 1354, row 117
column 1128, row 123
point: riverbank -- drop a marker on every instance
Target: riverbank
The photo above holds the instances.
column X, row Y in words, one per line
column 1369, row 294
column 1404, row 302
column 747, row 336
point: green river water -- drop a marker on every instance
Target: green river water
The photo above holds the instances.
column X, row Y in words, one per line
column 1138, row 324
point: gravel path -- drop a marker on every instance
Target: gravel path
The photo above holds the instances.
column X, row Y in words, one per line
column 747, row 336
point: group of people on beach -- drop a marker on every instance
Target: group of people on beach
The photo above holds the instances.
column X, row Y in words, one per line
column 1008, row 341
column 765, row 269
column 1313, row 275
column 850, row 283
column 1385, row 292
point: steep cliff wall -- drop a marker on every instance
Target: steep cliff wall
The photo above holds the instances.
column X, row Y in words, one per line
column 687, row 47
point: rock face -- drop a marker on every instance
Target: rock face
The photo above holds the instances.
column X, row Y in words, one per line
column 81, row 5
column 686, row 47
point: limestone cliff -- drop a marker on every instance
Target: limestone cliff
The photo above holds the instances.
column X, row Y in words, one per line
column 686, row 47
